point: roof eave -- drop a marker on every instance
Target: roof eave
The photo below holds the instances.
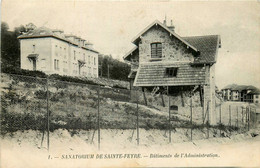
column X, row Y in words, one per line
column 130, row 52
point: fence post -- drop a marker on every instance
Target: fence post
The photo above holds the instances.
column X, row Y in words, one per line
column 208, row 119
column 191, row 116
column 237, row 118
column 242, row 115
column 48, row 115
column 255, row 119
column 98, row 120
column 229, row 123
column 145, row 100
column 248, row 118
column 203, row 113
column 220, row 119
column 137, row 122
column 169, row 109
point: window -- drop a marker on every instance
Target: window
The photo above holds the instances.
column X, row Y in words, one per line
column 84, row 58
column 171, row 72
column 56, row 64
column 88, row 59
column 94, row 61
column 156, row 50
column 74, row 55
column 256, row 96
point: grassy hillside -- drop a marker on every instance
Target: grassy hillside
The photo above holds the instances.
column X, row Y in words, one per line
column 75, row 106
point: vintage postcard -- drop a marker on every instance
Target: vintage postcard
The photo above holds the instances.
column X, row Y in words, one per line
column 130, row 83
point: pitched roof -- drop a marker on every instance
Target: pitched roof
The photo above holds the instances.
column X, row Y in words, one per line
column 241, row 87
column 153, row 74
column 47, row 32
column 126, row 57
column 156, row 22
column 207, row 45
column 255, row 92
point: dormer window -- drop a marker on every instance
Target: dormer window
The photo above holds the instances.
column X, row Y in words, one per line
column 156, row 50
column 171, row 72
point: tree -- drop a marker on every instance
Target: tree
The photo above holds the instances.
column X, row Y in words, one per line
column 116, row 69
column 10, row 46
column 30, row 26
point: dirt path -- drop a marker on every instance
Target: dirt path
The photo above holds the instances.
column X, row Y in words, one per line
column 23, row 149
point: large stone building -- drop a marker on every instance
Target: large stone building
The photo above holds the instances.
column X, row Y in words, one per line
column 53, row 52
column 161, row 58
column 243, row 93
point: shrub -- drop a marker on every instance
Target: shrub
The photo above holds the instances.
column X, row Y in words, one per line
column 24, row 72
column 71, row 79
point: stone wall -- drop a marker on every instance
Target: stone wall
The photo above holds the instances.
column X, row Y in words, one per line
column 172, row 48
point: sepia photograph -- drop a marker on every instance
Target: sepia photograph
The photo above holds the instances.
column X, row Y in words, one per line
column 160, row 83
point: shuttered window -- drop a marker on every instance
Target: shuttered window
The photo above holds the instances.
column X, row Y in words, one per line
column 156, row 50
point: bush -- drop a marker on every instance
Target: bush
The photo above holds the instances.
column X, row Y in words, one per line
column 71, row 79
column 12, row 70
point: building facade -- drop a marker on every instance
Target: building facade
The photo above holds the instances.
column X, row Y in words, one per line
column 226, row 93
column 53, row 52
column 242, row 93
column 161, row 58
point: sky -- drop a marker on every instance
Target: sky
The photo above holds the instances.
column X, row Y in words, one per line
column 112, row 25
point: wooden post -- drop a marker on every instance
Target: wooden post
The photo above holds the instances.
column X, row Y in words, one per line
column 48, row 116
column 248, row 118
column 237, row 118
column 202, row 103
column 169, row 109
column 98, row 120
column 220, row 119
column 162, row 100
column 208, row 119
column 201, row 97
column 145, row 101
column 191, row 116
column 137, row 122
column 182, row 99
column 255, row 118
column 242, row 115
column 229, row 123
column 108, row 70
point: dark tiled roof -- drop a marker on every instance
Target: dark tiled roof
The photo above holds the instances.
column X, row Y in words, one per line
column 207, row 45
column 41, row 31
column 46, row 32
column 153, row 74
column 240, row 87
column 255, row 92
